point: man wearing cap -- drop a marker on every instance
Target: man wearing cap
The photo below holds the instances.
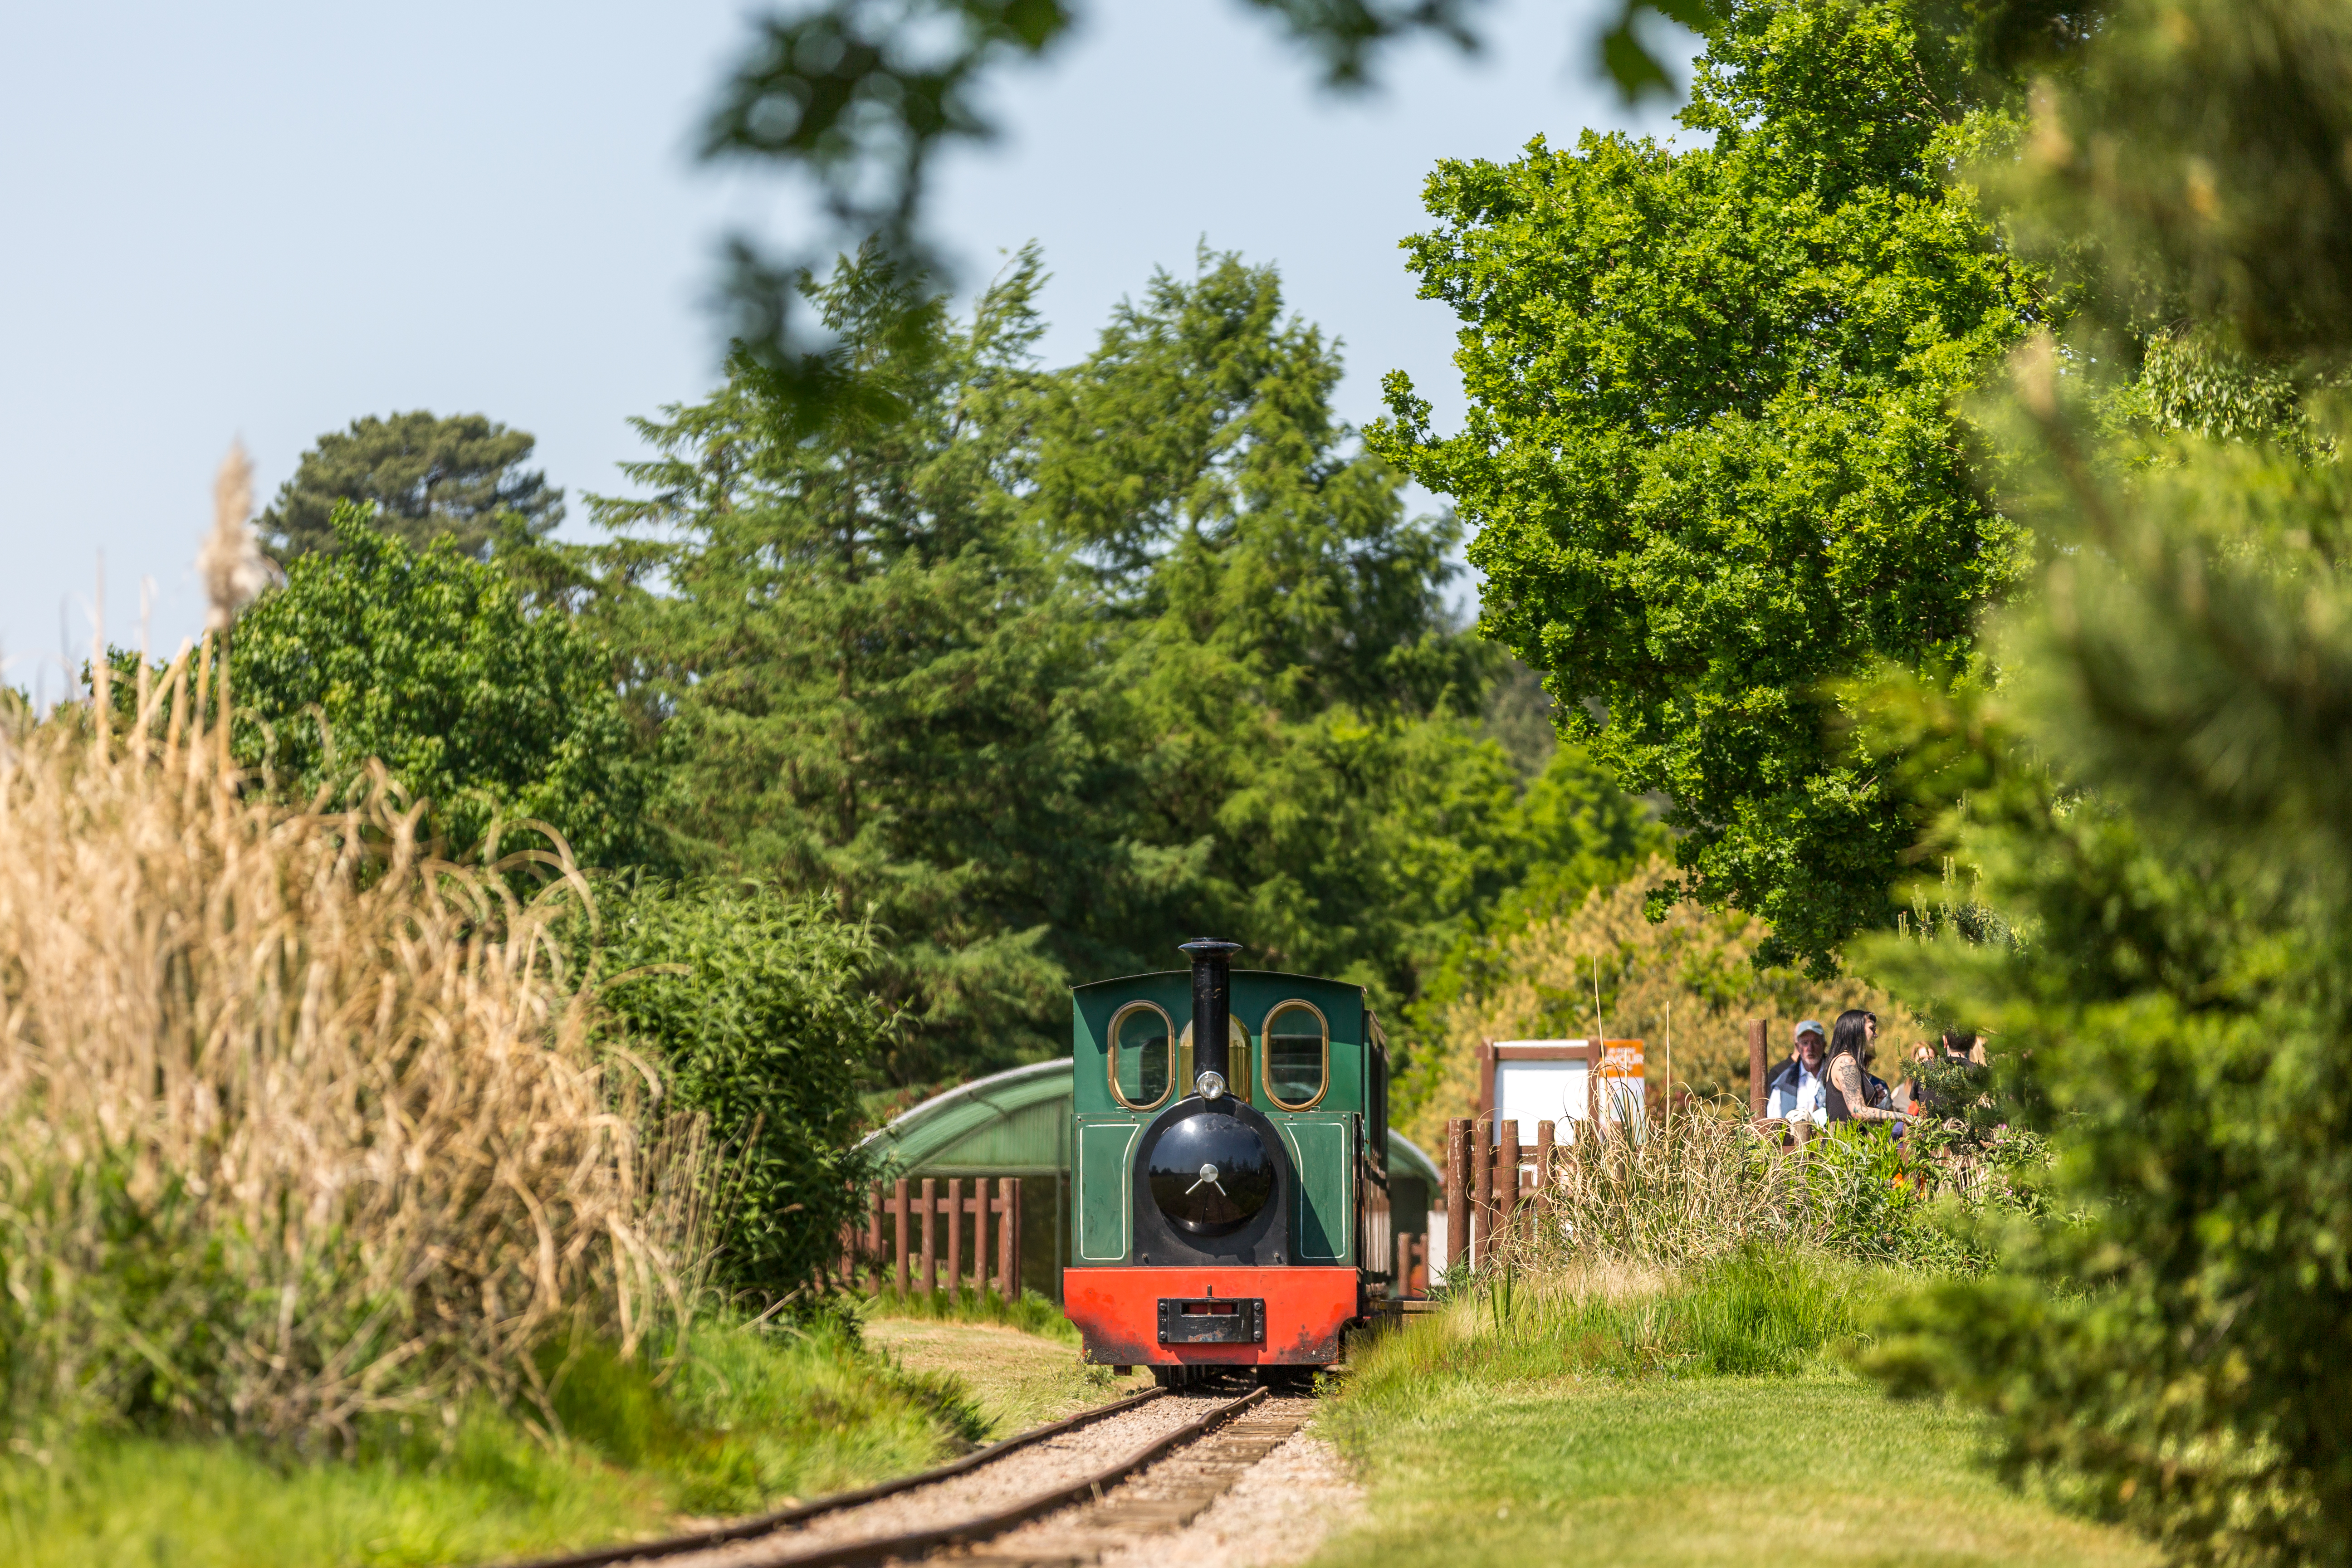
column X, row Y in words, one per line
column 1794, row 1092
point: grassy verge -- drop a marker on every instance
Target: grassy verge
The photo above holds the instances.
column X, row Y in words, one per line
column 1636, row 1420
column 1019, row 1359
column 748, row 1420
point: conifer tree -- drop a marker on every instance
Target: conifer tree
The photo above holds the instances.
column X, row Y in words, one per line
column 422, row 475
column 879, row 679
column 2157, row 798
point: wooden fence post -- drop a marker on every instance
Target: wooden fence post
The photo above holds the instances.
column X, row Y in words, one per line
column 898, row 1214
column 1457, row 1194
column 1482, row 1193
column 977, row 1207
column 930, row 1235
column 1545, row 1133
column 955, row 1234
column 1008, row 1216
column 1755, row 1070
column 873, row 1205
column 1506, row 1175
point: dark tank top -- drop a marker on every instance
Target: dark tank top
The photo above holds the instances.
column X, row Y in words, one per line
column 1832, row 1097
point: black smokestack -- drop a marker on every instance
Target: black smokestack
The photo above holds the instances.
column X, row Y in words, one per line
column 1212, row 1006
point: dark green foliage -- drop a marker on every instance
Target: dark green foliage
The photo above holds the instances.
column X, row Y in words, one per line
column 425, row 476
column 430, row 662
column 863, row 100
column 1711, row 453
column 883, row 683
column 1042, row 672
column 760, row 1013
column 2160, row 804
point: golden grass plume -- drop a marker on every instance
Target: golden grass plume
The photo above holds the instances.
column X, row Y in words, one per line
column 296, row 1123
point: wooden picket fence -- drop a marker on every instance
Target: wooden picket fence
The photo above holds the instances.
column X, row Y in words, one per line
column 1411, row 1264
column 1489, row 1176
column 914, row 1229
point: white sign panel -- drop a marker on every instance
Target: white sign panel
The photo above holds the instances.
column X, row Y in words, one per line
column 1533, row 1084
column 1527, row 1092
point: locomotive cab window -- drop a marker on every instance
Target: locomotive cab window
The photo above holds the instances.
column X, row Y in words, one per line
column 1297, row 1055
column 1141, row 1042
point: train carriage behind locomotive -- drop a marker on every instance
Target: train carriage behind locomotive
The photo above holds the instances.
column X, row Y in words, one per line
column 1229, row 1147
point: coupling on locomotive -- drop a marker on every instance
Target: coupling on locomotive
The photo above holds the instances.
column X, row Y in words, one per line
column 1229, row 1169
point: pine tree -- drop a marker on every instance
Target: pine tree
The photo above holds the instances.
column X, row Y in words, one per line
column 880, row 680
column 424, row 475
column 2158, row 796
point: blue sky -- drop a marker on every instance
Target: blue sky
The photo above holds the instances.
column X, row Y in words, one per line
column 261, row 220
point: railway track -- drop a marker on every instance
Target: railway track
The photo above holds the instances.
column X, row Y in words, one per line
column 1054, row 1497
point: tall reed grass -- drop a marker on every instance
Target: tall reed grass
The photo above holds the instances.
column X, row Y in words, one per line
column 1697, row 1186
column 297, row 1122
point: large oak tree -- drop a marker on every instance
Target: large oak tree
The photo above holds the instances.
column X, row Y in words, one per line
column 1714, row 455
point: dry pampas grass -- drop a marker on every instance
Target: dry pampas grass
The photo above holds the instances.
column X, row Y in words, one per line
column 231, row 562
column 296, row 1123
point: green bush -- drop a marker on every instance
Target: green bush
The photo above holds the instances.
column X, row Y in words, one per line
column 2160, row 801
column 430, row 661
column 758, row 1009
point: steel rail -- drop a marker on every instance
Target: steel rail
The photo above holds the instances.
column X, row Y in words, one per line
column 916, row 1542
column 800, row 1513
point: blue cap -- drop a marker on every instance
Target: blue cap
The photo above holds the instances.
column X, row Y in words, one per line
column 1812, row 1027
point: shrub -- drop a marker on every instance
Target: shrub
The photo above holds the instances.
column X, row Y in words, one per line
column 430, row 662
column 296, row 1123
column 757, row 1010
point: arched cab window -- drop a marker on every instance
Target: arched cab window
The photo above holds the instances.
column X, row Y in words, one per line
column 1297, row 1055
column 1139, row 1052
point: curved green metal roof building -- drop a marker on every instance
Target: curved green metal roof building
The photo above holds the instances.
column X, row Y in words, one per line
column 1017, row 1123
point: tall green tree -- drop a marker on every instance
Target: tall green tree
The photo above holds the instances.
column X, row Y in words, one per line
column 880, row 678
column 1713, row 454
column 1195, row 459
column 1297, row 665
column 2156, row 798
column 1043, row 671
column 430, row 662
column 425, row 476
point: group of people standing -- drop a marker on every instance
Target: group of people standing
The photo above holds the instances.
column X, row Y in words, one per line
column 1827, row 1076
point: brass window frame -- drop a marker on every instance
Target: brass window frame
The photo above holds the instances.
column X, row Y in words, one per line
column 1237, row 1055
column 1265, row 1057
column 1111, row 1055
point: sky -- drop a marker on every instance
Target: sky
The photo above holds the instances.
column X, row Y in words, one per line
column 258, row 221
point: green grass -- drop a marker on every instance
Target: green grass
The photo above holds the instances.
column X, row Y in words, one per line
column 1031, row 1314
column 1704, row 1421
column 1016, row 1380
column 749, row 1420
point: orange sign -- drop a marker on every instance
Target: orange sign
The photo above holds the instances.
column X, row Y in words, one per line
column 1620, row 1059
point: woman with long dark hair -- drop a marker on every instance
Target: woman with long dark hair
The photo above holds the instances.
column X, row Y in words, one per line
column 1847, row 1093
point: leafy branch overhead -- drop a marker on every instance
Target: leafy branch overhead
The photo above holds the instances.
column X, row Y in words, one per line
column 864, row 97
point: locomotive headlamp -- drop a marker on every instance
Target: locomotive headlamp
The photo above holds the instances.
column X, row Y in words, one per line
column 1210, row 1086
column 1209, row 1172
